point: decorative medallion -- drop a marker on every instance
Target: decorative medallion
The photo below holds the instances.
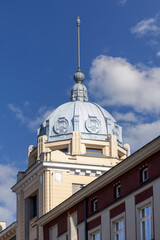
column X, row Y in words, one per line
column 61, row 125
column 93, row 124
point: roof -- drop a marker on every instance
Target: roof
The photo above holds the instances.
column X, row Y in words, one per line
column 8, row 229
column 93, row 121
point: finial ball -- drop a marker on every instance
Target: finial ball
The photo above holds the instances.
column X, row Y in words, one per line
column 79, row 76
column 78, row 21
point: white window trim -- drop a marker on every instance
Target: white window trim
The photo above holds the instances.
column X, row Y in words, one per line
column 94, row 204
column 94, row 230
column 143, row 171
column 139, row 206
column 116, row 219
column 63, row 236
column 50, row 231
column 72, row 224
column 117, row 191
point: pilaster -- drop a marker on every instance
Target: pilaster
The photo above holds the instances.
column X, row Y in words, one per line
column 76, row 143
column 41, row 145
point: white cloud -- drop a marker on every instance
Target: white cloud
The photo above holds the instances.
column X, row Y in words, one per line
column 26, row 103
column 147, row 26
column 116, row 82
column 18, row 112
column 34, row 123
column 127, row 117
column 140, row 134
column 122, row 1
column 158, row 54
column 7, row 198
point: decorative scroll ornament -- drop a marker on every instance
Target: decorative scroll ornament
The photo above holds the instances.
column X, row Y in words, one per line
column 93, row 124
column 61, row 125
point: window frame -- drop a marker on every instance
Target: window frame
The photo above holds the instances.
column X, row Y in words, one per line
column 33, row 205
column 93, row 232
column 72, row 226
column 143, row 177
column 143, row 219
column 116, row 219
column 117, row 191
column 55, row 227
column 93, row 235
column 92, row 150
column 94, row 205
column 119, row 230
column 139, row 207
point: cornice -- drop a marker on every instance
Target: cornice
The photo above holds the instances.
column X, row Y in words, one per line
column 11, row 229
column 27, row 178
column 49, row 165
column 64, row 165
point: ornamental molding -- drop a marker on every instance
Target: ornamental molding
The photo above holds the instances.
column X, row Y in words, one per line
column 61, row 126
column 56, row 166
column 93, row 124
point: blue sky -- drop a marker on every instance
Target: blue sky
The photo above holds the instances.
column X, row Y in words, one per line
column 120, row 57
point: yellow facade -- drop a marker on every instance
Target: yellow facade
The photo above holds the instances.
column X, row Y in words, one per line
column 53, row 175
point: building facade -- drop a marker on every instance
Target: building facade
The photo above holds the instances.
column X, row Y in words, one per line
column 121, row 204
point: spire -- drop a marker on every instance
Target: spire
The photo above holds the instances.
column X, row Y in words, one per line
column 79, row 91
column 79, row 76
column 78, row 26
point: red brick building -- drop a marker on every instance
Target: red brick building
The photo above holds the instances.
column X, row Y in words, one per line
column 123, row 203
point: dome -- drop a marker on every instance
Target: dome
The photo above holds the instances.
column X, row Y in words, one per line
column 89, row 118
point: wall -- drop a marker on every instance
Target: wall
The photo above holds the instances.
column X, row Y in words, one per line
column 135, row 194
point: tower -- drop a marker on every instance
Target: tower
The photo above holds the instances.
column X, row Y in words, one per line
column 77, row 142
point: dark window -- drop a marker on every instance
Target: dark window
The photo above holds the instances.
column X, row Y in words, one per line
column 33, row 206
column 144, row 175
column 93, row 150
column 65, row 150
column 94, row 205
column 117, row 191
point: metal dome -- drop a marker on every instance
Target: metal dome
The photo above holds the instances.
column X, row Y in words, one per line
column 89, row 118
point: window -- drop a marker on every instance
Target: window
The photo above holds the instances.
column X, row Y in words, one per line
column 72, row 226
column 145, row 222
column 144, row 175
column 94, row 205
column 53, row 233
column 33, row 206
column 76, row 187
column 65, row 150
column 119, row 230
column 94, row 150
column 95, row 236
column 117, row 191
